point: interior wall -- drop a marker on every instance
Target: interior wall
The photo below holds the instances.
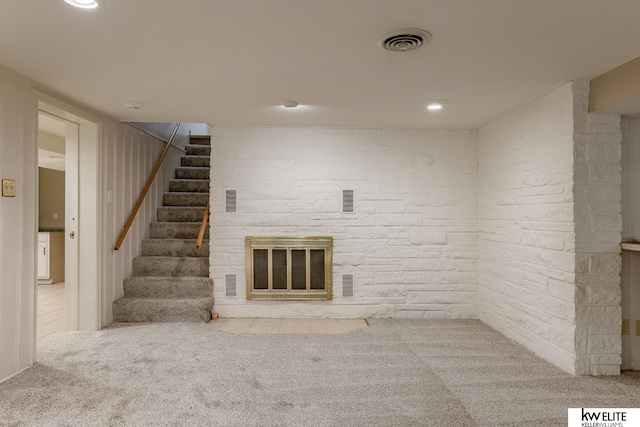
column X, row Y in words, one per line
column 526, row 233
column 410, row 243
column 598, row 226
column 550, row 230
column 18, row 217
column 51, row 200
column 128, row 156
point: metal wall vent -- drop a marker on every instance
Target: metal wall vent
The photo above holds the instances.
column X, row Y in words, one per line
column 347, row 285
column 347, row 201
column 230, row 282
column 231, row 202
column 405, row 40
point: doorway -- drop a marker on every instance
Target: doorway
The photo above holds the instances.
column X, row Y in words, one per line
column 51, row 142
column 79, row 232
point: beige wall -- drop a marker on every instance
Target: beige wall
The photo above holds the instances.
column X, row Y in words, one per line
column 18, row 219
column 125, row 158
column 50, row 198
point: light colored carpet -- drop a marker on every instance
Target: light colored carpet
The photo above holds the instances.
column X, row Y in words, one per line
column 392, row 373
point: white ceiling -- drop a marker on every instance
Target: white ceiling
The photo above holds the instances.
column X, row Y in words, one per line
column 233, row 62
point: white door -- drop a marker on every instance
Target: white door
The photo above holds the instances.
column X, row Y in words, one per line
column 71, row 226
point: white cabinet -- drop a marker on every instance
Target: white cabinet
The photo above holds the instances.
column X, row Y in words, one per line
column 50, row 257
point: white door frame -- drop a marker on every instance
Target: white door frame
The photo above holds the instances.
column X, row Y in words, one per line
column 83, row 247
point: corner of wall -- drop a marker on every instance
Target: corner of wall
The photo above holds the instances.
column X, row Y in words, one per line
column 598, row 226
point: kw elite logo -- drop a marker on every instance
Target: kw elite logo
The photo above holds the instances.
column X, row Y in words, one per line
column 604, row 417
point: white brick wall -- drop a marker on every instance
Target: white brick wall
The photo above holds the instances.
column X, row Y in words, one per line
column 410, row 243
column 549, row 229
column 526, row 236
column 518, row 223
column 598, row 225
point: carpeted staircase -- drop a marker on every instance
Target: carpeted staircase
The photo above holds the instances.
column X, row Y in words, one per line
column 170, row 281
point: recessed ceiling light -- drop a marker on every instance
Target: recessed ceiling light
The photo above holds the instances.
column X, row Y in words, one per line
column 290, row 104
column 134, row 104
column 83, row 4
column 435, row 105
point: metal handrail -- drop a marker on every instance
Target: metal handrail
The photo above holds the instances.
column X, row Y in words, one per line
column 155, row 170
column 153, row 135
column 203, row 226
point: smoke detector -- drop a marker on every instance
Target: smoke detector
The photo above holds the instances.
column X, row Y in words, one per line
column 405, row 39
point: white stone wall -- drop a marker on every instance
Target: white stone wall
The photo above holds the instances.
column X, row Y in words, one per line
column 410, row 244
column 598, row 225
column 549, row 230
column 526, row 236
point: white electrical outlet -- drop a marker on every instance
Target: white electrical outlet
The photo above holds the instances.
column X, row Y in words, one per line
column 55, row 215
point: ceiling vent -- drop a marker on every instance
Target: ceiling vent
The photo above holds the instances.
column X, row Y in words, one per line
column 405, row 39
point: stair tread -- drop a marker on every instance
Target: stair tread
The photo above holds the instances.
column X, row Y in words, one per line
column 172, row 279
column 160, row 287
column 182, row 207
column 187, row 193
column 172, row 239
column 193, row 167
column 168, row 257
column 168, row 223
column 144, row 309
column 124, row 300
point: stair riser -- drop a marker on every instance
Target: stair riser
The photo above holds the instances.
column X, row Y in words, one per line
column 160, row 287
column 171, row 267
column 161, row 310
column 195, row 161
column 192, row 173
column 180, row 214
column 198, row 150
column 171, row 247
column 200, row 140
column 175, row 230
column 185, row 199
column 189, row 186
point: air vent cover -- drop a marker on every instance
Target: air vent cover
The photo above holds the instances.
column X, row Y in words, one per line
column 405, row 40
column 231, row 201
column 347, row 285
column 230, row 282
column 347, row 200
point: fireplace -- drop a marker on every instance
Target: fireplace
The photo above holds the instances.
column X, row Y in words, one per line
column 289, row 268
